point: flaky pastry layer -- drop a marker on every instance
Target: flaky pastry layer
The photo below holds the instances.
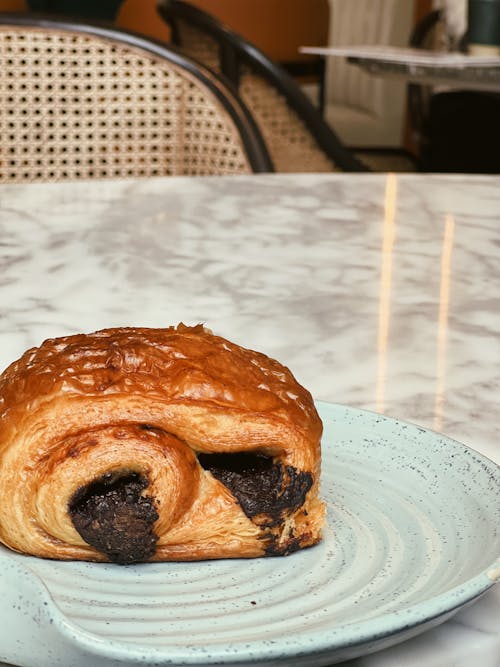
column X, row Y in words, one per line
column 210, row 449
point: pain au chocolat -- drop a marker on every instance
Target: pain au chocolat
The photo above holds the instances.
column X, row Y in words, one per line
column 136, row 444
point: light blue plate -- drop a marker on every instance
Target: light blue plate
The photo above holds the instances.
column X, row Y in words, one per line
column 412, row 536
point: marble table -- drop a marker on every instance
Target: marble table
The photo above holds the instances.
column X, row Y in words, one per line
column 378, row 291
column 423, row 66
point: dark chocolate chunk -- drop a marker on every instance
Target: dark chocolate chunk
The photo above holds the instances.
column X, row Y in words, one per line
column 112, row 515
column 260, row 485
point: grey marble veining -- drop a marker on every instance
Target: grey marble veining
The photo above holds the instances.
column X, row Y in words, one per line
column 310, row 269
column 381, row 292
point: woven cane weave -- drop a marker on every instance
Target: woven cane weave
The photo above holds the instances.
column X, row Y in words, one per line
column 291, row 145
column 199, row 46
column 81, row 106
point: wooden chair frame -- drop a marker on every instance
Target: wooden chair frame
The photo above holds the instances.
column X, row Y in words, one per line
column 252, row 144
column 235, row 52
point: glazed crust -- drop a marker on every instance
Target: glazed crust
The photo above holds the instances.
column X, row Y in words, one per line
column 149, row 402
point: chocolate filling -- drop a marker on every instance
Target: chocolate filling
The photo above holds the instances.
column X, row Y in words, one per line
column 112, row 515
column 260, row 485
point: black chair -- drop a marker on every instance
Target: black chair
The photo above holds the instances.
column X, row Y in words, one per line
column 90, row 101
column 297, row 137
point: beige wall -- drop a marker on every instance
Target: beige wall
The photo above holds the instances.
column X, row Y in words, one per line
column 363, row 109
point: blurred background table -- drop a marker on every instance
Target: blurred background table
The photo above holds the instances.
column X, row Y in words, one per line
column 378, row 291
column 419, row 66
column 453, row 101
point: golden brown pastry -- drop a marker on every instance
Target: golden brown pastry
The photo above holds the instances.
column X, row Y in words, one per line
column 137, row 444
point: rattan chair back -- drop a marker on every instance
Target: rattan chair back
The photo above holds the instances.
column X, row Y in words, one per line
column 296, row 135
column 85, row 101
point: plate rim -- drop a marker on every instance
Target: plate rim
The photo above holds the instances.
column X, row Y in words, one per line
column 318, row 641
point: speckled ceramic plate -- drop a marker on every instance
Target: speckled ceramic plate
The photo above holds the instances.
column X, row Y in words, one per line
column 412, row 536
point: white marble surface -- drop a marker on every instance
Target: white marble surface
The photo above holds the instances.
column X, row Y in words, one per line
column 381, row 292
